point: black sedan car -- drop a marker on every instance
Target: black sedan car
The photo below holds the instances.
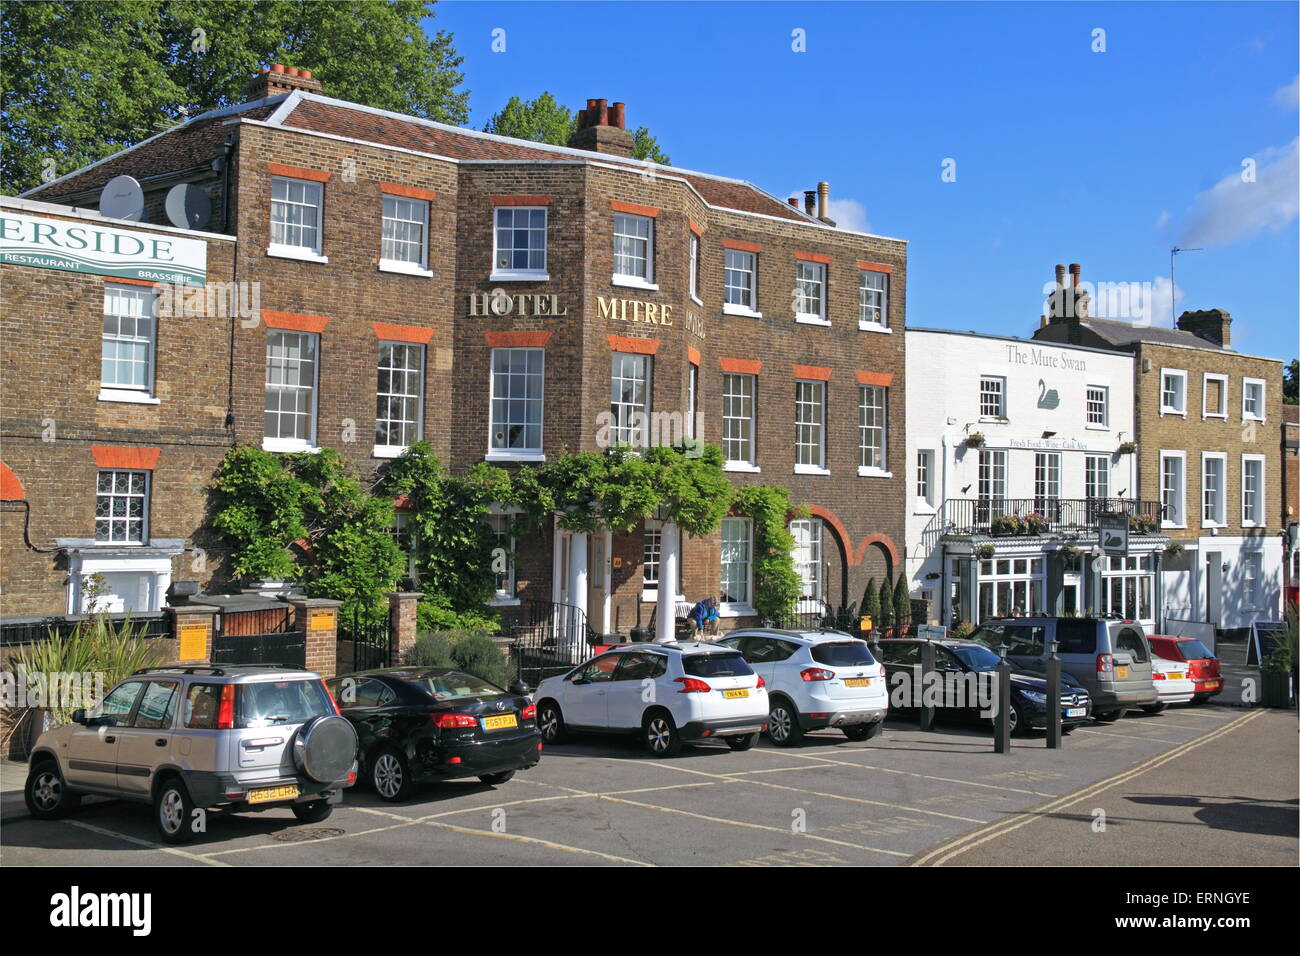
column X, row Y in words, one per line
column 425, row 724
column 964, row 669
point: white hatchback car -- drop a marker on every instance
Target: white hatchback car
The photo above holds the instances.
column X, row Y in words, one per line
column 815, row 679
column 666, row 693
column 1174, row 684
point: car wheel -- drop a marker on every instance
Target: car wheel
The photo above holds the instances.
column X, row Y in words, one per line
column 660, row 734
column 390, row 776
column 173, row 810
column 46, row 795
column 1201, row 699
column 551, row 723
column 1154, row 708
column 496, row 779
column 783, row 723
column 743, row 741
column 1016, row 717
column 1067, row 730
column 1109, row 717
column 864, row 731
column 313, row 812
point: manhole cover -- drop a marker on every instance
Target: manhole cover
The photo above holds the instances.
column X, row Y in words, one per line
column 303, row 834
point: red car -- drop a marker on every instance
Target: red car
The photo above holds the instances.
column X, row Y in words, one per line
column 1202, row 666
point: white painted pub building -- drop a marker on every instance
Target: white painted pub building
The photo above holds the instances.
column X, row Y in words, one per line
column 1015, row 449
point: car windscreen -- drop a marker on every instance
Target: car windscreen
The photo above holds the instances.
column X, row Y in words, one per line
column 976, row 658
column 269, row 703
column 842, row 654
column 1193, row 650
column 716, row 665
column 454, row 685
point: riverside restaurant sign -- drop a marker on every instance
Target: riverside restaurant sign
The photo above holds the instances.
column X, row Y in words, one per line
column 101, row 250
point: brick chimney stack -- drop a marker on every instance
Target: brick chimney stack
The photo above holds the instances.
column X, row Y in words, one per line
column 1068, row 302
column 602, row 128
column 1214, row 325
column 280, row 79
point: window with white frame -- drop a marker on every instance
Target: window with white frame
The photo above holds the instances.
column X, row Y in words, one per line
column 873, row 300
column 633, row 247
column 692, row 398
column 810, row 291
column 127, row 354
column 1214, row 473
column 1096, row 477
column 738, row 417
column 737, row 558
column 517, row 376
column 121, row 506
column 406, row 232
column 1252, row 399
column 1252, row 566
column 519, row 244
column 993, row 396
column 925, row 486
column 873, row 412
column 738, row 280
column 810, row 424
column 1173, row 489
column 1214, row 396
column 992, row 483
column 1173, row 391
column 629, row 399
column 1047, row 479
column 1098, row 406
column 807, row 557
column 1126, row 588
column 1252, row 491
column 695, row 267
column 290, row 407
column 296, row 214
column 651, row 562
column 503, row 553
column 399, row 396
column 1010, row 586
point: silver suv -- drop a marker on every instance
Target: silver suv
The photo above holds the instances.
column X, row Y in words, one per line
column 239, row 737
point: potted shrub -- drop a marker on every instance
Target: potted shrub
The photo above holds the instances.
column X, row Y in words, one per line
column 1275, row 678
column 902, row 607
column 885, row 622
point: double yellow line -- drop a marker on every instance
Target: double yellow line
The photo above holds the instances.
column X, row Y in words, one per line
column 947, row 851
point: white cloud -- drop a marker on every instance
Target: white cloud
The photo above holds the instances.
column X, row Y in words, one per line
column 1289, row 95
column 1163, row 219
column 1234, row 209
column 847, row 213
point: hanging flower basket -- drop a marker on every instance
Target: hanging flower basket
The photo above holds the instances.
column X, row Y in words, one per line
column 975, row 440
column 985, row 551
column 1127, row 448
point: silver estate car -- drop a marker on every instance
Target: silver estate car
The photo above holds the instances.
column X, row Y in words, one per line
column 185, row 738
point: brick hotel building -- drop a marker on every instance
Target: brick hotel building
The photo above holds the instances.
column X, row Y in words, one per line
column 491, row 296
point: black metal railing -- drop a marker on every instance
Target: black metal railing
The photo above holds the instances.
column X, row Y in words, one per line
column 363, row 644
column 33, row 630
column 278, row 647
column 549, row 638
column 819, row 616
column 1008, row 517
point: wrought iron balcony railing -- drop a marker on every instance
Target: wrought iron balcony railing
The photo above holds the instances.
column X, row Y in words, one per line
column 1000, row 517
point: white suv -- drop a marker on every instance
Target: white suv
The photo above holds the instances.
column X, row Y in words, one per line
column 815, row 679
column 666, row 693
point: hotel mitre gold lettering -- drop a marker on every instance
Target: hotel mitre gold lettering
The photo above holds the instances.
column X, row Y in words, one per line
column 635, row 310
column 497, row 302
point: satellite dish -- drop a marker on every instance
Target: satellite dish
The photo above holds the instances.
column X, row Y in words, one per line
column 122, row 198
column 188, row 206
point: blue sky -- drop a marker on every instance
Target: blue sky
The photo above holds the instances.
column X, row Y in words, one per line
column 1062, row 154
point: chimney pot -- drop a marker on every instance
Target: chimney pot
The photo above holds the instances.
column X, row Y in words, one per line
column 617, row 116
column 793, row 201
column 277, row 68
column 1075, row 271
column 305, row 74
column 1060, row 275
column 810, row 201
column 279, row 79
column 823, row 200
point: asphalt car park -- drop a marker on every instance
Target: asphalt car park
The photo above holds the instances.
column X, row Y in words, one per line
column 606, row 801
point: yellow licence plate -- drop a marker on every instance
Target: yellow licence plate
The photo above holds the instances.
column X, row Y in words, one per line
column 1121, row 672
column 268, row 794
column 857, row 682
column 1175, row 675
column 501, row 722
column 738, row 692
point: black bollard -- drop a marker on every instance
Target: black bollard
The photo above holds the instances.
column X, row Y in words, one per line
column 1002, row 722
column 927, row 668
column 1053, row 699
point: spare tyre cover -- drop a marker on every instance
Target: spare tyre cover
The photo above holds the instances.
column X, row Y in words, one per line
column 325, row 748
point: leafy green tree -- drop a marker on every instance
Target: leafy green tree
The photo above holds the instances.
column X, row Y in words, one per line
column 886, row 599
column 81, row 80
column 871, row 603
column 1291, row 383
column 545, row 120
column 902, row 604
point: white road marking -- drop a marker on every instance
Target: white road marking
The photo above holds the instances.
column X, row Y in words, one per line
column 160, row 847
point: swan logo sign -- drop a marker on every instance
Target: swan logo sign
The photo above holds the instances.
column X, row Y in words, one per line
column 100, row 250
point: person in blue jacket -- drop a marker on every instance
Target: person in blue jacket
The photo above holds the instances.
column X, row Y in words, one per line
column 703, row 614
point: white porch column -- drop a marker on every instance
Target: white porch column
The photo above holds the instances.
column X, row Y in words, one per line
column 578, row 570
column 666, row 609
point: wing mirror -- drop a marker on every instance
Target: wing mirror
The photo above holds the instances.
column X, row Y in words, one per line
column 79, row 715
column 519, row 688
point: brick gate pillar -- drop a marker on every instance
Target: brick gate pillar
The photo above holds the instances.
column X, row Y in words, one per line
column 193, row 628
column 401, row 623
column 318, row 619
